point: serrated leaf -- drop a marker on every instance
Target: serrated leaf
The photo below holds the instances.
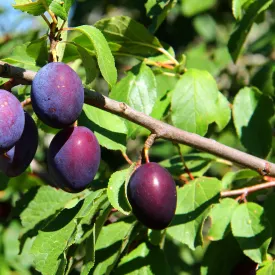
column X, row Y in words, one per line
column 220, row 218
column 267, row 269
column 192, row 7
column 35, row 8
column 145, row 259
column 252, row 230
column 117, row 190
column 242, row 29
column 138, row 90
column 103, row 53
column 194, row 201
column 109, row 245
column 157, row 11
column 196, row 103
column 109, row 129
column 52, row 241
column 46, row 202
column 221, row 257
column 252, row 122
column 128, row 37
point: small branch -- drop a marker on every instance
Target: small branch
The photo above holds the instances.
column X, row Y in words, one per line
column 183, row 162
column 127, row 158
column 61, row 28
column 147, row 145
column 46, row 20
column 159, row 128
column 243, row 192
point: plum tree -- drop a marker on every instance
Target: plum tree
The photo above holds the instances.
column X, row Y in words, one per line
column 12, row 120
column 152, row 194
column 57, row 95
column 19, row 157
column 73, row 158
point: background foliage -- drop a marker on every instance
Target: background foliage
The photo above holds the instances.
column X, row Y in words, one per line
column 206, row 67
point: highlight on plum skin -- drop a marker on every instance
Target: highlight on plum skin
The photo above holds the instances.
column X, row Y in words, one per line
column 152, row 194
column 12, row 120
column 74, row 158
column 15, row 161
column 57, row 95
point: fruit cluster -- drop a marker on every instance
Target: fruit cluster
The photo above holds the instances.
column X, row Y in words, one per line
column 57, row 97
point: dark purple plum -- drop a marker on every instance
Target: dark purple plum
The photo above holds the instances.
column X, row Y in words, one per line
column 12, row 120
column 73, row 158
column 152, row 194
column 15, row 161
column 57, row 95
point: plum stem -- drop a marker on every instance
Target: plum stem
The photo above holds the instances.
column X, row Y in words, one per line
column 147, row 145
column 127, row 158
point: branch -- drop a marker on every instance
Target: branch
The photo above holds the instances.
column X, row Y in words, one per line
column 159, row 128
column 247, row 190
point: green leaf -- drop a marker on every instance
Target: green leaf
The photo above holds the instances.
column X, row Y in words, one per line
column 103, row 53
column 38, row 50
column 145, row 259
column 52, row 241
column 157, row 11
column 206, row 27
column 196, row 103
column 117, row 190
column 61, row 8
column 35, row 8
column 110, row 244
column 221, row 257
column 242, row 29
column 220, row 218
column 263, row 79
column 46, row 202
column 252, row 122
column 252, row 230
column 192, row 7
column 197, row 163
column 269, row 206
column 109, row 129
column 267, row 269
column 61, row 46
column 239, row 7
column 128, row 37
column 20, row 56
column 138, row 90
column 194, row 200
column 89, row 65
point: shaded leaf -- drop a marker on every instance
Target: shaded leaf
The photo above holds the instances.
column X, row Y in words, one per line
column 194, row 201
column 252, row 230
column 35, row 8
column 192, row 7
column 252, row 122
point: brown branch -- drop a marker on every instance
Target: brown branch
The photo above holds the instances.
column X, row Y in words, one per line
column 247, row 190
column 161, row 129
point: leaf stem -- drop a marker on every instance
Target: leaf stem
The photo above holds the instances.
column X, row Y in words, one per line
column 126, row 158
column 162, row 50
column 46, row 20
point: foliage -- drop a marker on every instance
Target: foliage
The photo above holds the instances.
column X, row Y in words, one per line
column 202, row 66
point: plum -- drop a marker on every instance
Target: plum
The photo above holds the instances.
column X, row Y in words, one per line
column 15, row 161
column 57, row 95
column 12, row 120
column 73, row 158
column 152, row 194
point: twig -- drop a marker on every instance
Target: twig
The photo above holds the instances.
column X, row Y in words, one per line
column 161, row 129
column 184, row 163
column 243, row 192
column 127, row 158
column 46, row 20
